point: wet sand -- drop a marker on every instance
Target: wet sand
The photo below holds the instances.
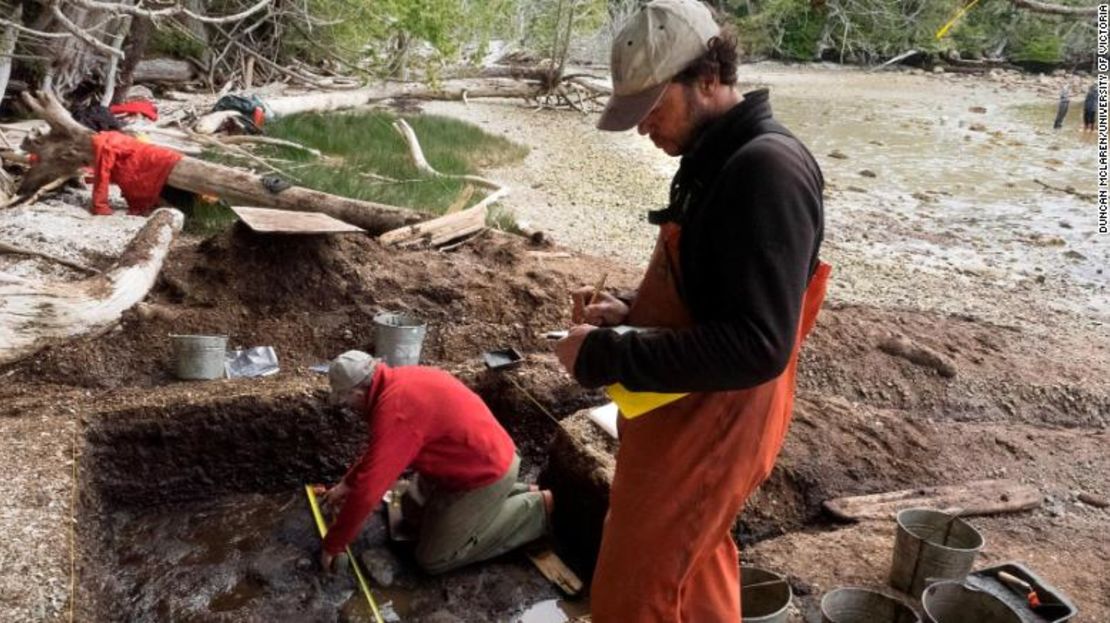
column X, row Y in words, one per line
column 931, row 202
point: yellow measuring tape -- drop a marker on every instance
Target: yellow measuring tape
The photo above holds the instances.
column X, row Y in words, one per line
column 952, row 22
column 323, row 528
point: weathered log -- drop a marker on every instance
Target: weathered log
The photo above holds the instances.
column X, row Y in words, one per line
column 440, row 230
column 163, row 70
column 245, row 188
column 7, row 45
column 17, row 250
column 69, row 145
column 981, row 497
column 34, row 316
column 454, row 90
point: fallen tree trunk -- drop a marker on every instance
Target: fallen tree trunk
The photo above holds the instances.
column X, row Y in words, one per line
column 455, row 90
column 68, row 146
column 17, row 250
column 244, row 188
column 163, row 70
column 34, row 316
column 440, row 230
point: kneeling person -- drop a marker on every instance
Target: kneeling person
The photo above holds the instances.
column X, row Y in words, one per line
column 425, row 418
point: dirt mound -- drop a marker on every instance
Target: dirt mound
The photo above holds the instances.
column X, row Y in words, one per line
column 957, row 367
column 312, row 297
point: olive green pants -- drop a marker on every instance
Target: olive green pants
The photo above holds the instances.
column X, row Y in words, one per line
column 458, row 528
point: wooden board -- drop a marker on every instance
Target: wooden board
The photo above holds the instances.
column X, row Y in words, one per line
column 268, row 221
column 553, row 568
column 980, row 497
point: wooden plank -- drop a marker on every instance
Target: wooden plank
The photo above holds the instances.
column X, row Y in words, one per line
column 554, row 569
column 268, row 221
column 439, row 230
column 980, row 497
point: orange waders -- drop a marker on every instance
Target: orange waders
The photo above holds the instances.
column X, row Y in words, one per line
column 683, row 473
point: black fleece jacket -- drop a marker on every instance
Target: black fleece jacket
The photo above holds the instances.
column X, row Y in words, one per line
column 749, row 198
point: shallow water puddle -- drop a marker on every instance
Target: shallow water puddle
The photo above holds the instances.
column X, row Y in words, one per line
column 252, row 557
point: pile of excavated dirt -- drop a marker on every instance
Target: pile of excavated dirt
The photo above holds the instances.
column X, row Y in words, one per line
column 312, row 297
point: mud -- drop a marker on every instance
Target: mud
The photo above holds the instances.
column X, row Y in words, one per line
column 196, row 511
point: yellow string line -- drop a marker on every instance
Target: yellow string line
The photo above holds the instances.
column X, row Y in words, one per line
column 72, row 526
column 952, row 22
column 323, row 528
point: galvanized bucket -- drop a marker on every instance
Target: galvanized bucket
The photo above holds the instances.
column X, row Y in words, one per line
column 953, row 602
column 398, row 338
column 764, row 596
column 860, row 605
column 931, row 545
column 199, row 357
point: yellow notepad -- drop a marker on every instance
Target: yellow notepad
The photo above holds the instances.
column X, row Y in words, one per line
column 634, row 404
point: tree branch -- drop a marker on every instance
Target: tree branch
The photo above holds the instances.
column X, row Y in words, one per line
column 170, row 12
column 31, row 31
column 80, row 33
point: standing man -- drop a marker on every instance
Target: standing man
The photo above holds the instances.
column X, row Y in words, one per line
column 732, row 289
column 1062, row 106
column 1090, row 109
column 425, row 418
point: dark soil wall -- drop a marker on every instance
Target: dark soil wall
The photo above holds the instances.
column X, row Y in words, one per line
column 184, row 452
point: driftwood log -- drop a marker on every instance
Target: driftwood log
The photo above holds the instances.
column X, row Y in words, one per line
column 454, row 90
column 68, row 146
column 453, row 225
column 36, row 315
column 164, row 70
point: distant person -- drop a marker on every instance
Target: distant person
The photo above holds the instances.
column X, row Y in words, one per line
column 1090, row 107
column 1062, row 107
column 424, row 418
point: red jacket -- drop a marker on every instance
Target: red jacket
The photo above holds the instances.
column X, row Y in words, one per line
column 424, row 418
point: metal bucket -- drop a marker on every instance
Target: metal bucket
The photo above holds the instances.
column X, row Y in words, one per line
column 199, row 357
column 860, row 605
column 764, row 596
column 953, row 602
column 931, row 545
column 398, row 338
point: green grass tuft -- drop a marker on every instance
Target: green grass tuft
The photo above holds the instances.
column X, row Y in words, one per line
column 364, row 143
column 205, row 218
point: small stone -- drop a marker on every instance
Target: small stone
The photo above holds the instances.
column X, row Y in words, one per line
column 1090, row 499
column 978, row 110
column 381, row 564
column 839, row 155
column 1065, row 224
column 977, row 127
column 868, row 173
column 938, row 69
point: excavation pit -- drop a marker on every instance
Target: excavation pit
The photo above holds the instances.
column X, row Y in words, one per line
column 196, row 512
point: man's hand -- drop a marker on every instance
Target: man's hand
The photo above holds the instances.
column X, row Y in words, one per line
column 330, row 564
column 567, row 348
column 334, row 498
column 606, row 311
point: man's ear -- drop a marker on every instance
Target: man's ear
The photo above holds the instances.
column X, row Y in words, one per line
column 707, row 85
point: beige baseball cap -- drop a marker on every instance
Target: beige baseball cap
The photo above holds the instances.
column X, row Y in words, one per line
column 656, row 43
column 348, row 371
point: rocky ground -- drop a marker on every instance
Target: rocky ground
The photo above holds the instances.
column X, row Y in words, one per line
column 946, row 244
